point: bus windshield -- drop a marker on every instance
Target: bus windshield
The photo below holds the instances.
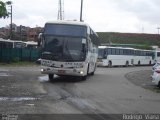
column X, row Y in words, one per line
column 101, row 53
column 65, row 30
column 64, row 48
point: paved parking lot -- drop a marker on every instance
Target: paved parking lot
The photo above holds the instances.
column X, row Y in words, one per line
column 109, row 91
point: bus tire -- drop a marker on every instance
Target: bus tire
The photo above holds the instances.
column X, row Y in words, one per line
column 88, row 70
column 110, row 64
column 92, row 73
column 139, row 63
column 84, row 77
column 127, row 64
column 150, row 63
column 51, row 77
column 158, row 84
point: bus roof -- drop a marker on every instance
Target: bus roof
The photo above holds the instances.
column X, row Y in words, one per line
column 143, row 50
column 31, row 43
column 67, row 22
column 102, row 47
column 8, row 40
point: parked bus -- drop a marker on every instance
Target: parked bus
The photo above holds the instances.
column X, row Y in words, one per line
column 143, row 57
column 157, row 56
column 31, row 44
column 69, row 48
column 115, row 56
column 119, row 56
column 11, row 44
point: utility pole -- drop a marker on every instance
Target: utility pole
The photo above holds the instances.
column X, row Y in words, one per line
column 20, row 28
column 158, row 30
column 11, row 24
column 81, row 11
column 60, row 10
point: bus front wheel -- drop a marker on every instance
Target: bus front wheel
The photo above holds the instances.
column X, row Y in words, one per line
column 84, row 77
column 127, row 64
column 110, row 64
column 92, row 73
column 158, row 84
column 51, row 77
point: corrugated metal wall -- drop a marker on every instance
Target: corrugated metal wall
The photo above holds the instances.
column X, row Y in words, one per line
column 18, row 54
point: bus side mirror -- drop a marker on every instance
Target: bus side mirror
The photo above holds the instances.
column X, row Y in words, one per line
column 40, row 37
column 83, row 48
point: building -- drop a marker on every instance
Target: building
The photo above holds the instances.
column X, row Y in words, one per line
column 20, row 32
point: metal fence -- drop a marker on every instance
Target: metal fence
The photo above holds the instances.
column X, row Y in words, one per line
column 19, row 54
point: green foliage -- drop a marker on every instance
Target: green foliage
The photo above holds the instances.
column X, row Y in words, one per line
column 3, row 10
column 144, row 40
column 16, row 59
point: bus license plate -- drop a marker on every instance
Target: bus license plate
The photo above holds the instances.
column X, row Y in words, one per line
column 61, row 71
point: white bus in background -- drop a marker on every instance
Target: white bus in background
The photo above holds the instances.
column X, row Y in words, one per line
column 69, row 48
column 120, row 56
column 31, row 44
column 11, row 43
column 143, row 57
column 157, row 56
column 115, row 56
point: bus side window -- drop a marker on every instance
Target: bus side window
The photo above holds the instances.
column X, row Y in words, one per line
column 105, row 53
column 109, row 51
column 121, row 52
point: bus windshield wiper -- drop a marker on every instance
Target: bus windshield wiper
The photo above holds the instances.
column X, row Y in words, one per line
column 50, row 56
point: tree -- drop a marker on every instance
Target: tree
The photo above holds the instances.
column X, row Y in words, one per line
column 3, row 10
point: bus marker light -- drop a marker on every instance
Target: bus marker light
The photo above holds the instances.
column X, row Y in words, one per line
column 74, row 70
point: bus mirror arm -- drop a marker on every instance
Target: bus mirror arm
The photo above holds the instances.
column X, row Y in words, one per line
column 40, row 37
column 84, row 49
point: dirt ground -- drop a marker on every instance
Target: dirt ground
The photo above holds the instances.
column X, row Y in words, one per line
column 143, row 79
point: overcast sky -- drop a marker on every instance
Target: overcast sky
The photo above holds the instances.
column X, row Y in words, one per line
column 134, row 16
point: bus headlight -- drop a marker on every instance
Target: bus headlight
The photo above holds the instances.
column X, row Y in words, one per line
column 81, row 72
column 42, row 70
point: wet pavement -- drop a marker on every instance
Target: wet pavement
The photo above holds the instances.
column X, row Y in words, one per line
column 27, row 91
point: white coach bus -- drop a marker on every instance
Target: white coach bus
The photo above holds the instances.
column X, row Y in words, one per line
column 115, row 56
column 119, row 56
column 69, row 48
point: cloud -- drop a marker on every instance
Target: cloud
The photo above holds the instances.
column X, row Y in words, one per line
column 145, row 10
column 102, row 15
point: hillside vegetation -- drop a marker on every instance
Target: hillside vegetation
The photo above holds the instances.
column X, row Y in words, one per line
column 129, row 38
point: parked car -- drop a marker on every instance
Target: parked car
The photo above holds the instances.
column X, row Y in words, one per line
column 156, row 76
column 155, row 66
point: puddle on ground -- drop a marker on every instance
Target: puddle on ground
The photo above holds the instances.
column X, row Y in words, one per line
column 4, row 74
column 17, row 99
column 45, row 78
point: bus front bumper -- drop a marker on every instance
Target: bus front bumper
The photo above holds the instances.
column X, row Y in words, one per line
column 66, row 71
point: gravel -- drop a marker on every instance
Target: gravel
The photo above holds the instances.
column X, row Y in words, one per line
column 143, row 79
